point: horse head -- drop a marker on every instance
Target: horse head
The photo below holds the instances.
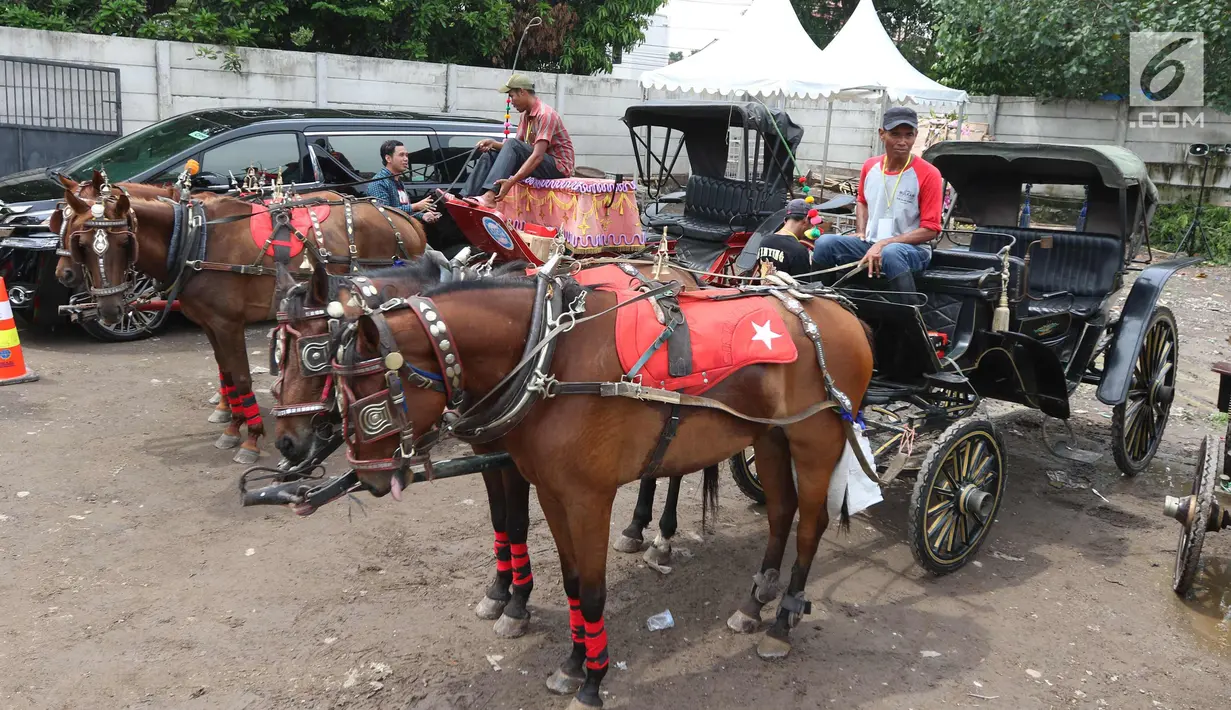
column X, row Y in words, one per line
column 100, row 243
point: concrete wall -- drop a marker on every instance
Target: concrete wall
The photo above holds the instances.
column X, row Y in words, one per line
column 162, row 79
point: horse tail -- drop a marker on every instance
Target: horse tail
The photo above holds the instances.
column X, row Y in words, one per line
column 709, row 497
column 844, row 517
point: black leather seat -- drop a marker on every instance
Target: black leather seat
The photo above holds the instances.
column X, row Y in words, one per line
column 715, row 208
column 1076, row 275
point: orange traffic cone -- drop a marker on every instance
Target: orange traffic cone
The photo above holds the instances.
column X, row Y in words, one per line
column 12, row 364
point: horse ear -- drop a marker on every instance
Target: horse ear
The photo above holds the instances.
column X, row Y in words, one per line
column 122, row 205
column 75, row 203
column 66, row 182
column 282, row 279
column 319, row 285
column 97, row 181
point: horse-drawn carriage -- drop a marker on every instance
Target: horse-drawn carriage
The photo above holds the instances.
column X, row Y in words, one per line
column 1017, row 313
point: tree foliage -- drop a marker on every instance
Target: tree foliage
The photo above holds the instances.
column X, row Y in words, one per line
column 577, row 36
column 1077, row 49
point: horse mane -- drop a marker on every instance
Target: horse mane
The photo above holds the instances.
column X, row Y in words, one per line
column 510, row 275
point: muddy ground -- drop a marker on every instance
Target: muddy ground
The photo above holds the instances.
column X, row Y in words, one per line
column 132, row 578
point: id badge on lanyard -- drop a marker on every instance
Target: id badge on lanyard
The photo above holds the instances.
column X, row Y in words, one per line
column 884, row 226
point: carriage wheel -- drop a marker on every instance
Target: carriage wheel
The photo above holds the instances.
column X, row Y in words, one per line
column 743, row 470
column 135, row 324
column 1193, row 513
column 957, row 495
column 1137, row 423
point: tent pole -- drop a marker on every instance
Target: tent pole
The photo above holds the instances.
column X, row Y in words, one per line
column 961, row 117
column 825, row 154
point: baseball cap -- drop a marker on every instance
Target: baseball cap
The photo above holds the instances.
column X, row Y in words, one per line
column 797, row 209
column 900, row 116
column 517, row 81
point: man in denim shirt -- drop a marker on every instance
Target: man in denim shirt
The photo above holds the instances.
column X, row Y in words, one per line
column 388, row 189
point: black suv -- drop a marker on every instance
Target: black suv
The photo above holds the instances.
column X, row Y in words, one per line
column 313, row 147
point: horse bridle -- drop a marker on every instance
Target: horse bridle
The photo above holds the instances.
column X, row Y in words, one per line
column 103, row 228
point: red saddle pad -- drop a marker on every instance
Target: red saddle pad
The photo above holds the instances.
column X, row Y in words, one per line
column 725, row 335
column 261, row 226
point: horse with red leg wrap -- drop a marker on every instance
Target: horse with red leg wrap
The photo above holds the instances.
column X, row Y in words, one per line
column 306, row 419
column 214, row 255
column 536, row 366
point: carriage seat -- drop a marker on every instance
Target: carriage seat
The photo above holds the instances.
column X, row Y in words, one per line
column 714, row 208
column 970, row 273
column 1075, row 276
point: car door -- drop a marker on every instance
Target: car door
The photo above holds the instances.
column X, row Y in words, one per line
column 269, row 153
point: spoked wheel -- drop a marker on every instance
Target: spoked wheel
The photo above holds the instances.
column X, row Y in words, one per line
column 134, row 324
column 1137, row 424
column 957, row 495
column 743, row 470
column 1194, row 514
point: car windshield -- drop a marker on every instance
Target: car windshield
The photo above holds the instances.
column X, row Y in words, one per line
column 140, row 151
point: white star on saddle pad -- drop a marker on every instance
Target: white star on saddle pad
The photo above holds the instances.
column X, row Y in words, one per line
column 765, row 334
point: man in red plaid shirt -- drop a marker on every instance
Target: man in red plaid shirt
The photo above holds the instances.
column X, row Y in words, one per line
column 541, row 149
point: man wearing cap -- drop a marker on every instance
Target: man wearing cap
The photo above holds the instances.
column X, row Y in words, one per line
column 898, row 210
column 789, row 249
column 542, row 147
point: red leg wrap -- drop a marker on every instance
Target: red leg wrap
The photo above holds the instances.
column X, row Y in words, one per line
column 251, row 410
column 521, row 564
column 576, row 623
column 504, row 560
column 596, row 645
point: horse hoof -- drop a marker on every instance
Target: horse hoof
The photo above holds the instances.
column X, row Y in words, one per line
column 772, row 649
column 246, row 456
column 741, row 623
column 576, row 704
column 489, row 609
column 562, row 684
column 626, row 545
column 226, row 441
column 219, row 416
column 657, row 557
column 509, row 628
column 216, row 398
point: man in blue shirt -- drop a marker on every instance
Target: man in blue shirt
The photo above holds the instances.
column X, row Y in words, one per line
column 388, row 189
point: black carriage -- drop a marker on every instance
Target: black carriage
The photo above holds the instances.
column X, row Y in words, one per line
column 731, row 198
column 1020, row 312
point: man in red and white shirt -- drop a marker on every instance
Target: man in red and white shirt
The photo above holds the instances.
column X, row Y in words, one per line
column 541, row 149
column 898, row 209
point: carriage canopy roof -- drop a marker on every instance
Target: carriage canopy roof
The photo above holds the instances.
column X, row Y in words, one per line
column 704, row 126
column 968, row 164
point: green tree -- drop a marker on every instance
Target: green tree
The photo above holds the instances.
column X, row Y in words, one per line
column 578, row 36
column 1077, row 49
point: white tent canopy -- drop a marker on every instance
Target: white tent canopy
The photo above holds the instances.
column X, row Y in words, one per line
column 768, row 53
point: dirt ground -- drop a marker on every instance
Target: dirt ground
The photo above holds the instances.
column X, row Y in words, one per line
column 131, row 577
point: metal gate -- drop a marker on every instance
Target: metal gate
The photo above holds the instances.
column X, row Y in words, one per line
column 52, row 111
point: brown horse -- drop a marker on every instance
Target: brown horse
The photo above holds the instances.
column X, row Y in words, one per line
column 578, row 448
column 235, row 285
column 306, row 410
